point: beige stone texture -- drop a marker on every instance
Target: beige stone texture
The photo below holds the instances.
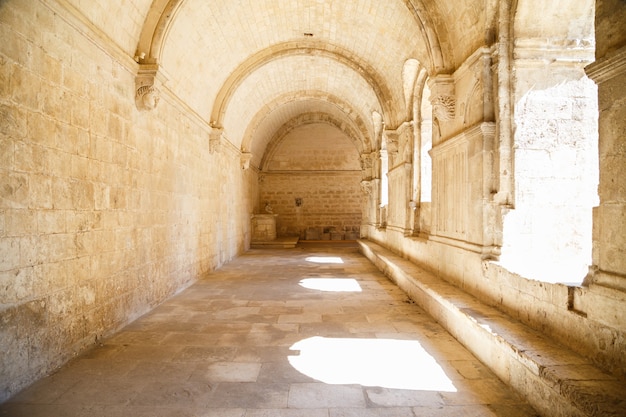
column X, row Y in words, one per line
column 482, row 141
column 103, row 213
column 315, row 166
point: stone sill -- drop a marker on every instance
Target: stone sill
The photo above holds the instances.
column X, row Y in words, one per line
column 552, row 378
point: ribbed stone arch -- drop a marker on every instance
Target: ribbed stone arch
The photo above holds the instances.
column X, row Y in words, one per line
column 436, row 57
column 162, row 14
column 154, row 33
column 306, row 119
column 309, row 48
column 295, row 76
column 288, row 107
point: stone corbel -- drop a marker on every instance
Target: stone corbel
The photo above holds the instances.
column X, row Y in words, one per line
column 366, row 187
column 147, row 96
column 215, row 139
column 399, row 140
column 246, row 157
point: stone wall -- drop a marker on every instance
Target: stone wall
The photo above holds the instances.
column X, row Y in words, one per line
column 328, row 201
column 546, row 222
column 105, row 211
column 318, row 164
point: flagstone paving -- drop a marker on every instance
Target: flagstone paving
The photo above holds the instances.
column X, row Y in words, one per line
column 304, row 332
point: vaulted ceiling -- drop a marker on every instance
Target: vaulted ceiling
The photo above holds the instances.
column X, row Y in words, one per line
column 253, row 67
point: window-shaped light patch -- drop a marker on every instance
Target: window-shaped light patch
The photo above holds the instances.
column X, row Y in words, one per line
column 325, row 259
column 331, row 284
column 386, row 363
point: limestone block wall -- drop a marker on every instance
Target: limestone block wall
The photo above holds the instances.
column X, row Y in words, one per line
column 319, row 165
column 105, row 211
column 328, row 200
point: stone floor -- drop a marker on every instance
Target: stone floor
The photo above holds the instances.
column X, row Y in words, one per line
column 304, row 332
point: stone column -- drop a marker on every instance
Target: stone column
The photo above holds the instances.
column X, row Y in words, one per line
column 400, row 151
column 368, row 205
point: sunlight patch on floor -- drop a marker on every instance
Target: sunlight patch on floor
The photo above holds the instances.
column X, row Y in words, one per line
column 325, row 259
column 386, row 363
column 331, row 284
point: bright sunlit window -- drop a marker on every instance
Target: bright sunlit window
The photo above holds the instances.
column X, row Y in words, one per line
column 325, row 259
column 331, row 284
column 386, row 363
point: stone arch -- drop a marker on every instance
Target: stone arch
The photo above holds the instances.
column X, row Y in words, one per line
column 162, row 14
column 431, row 37
column 337, row 53
column 310, row 118
column 345, row 115
column 154, row 32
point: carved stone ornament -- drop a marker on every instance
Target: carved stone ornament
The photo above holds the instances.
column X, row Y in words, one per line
column 444, row 107
column 147, row 97
column 366, row 187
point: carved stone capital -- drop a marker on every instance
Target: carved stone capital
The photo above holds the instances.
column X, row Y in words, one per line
column 399, row 139
column 444, row 107
column 367, row 187
column 442, row 97
column 147, row 96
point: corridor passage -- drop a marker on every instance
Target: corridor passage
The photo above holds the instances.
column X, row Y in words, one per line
column 304, row 332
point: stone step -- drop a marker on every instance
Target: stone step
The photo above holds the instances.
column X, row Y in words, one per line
column 552, row 378
column 287, row 242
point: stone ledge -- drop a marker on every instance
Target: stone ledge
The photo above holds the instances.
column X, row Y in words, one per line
column 288, row 242
column 553, row 379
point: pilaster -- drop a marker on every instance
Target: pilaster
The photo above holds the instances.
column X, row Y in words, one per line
column 609, row 218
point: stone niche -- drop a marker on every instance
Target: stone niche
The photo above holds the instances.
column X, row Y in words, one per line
column 264, row 227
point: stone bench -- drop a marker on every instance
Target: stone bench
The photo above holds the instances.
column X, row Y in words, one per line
column 552, row 378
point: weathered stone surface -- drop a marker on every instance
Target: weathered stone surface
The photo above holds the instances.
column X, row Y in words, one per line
column 328, row 111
